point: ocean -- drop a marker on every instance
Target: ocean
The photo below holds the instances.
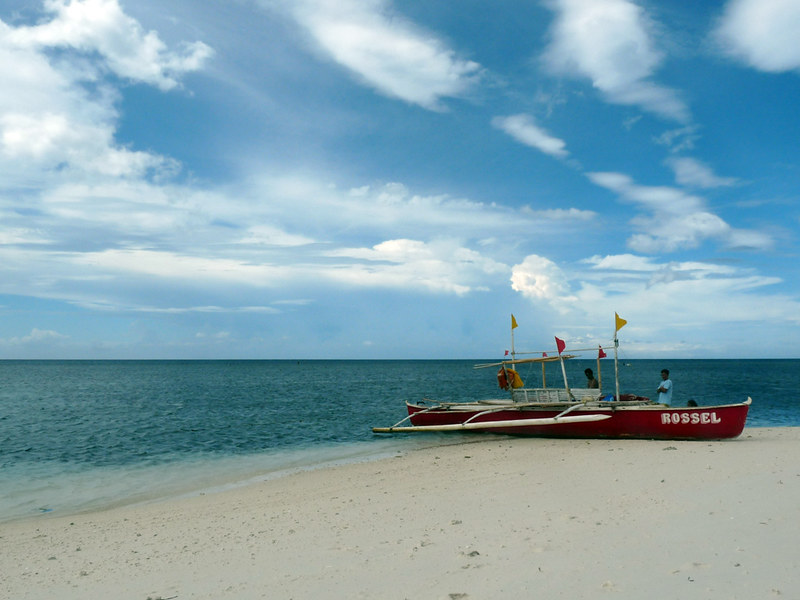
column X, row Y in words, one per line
column 85, row 435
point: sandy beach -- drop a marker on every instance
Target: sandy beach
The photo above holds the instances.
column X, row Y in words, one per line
column 481, row 518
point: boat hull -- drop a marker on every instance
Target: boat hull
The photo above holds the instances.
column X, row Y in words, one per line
column 616, row 420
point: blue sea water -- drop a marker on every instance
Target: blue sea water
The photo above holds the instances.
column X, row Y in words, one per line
column 78, row 435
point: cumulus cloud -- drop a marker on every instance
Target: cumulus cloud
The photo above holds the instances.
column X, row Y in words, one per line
column 523, row 129
column 49, row 140
column 761, row 33
column 62, row 113
column 101, row 26
column 610, row 42
column 384, row 50
column 539, row 278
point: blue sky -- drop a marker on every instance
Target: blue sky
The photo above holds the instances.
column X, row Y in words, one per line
column 394, row 178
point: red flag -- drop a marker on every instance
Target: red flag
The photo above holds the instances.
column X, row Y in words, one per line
column 560, row 345
column 600, row 352
column 506, row 352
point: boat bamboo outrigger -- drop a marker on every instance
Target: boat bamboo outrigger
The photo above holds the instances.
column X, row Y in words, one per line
column 571, row 412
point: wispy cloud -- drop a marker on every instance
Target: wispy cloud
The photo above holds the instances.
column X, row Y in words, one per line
column 643, row 290
column 523, row 128
column 694, row 173
column 610, row 42
column 37, row 336
column 385, row 50
column 440, row 266
column 761, row 33
column 673, row 219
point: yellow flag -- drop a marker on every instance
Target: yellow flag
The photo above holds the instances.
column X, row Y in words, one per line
column 620, row 322
column 513, row 322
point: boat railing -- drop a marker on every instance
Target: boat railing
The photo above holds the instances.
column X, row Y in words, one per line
column 554, row 395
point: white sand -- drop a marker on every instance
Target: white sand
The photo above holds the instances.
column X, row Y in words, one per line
column 496, row 518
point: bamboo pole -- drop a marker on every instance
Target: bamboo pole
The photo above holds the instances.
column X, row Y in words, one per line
column 564, row 373
column 599, row 374
column 565, row 350
column 493, row 424
column 520, row 361
column 616, row 364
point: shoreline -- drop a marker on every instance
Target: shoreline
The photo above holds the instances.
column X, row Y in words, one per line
column 107, row 488
column 470, row 519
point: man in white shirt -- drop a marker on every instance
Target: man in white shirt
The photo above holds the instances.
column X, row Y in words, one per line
column 665, row 389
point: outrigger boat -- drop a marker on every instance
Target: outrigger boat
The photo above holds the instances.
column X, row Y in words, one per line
column 569, row 412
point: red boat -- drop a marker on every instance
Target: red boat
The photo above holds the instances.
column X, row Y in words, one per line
column 573, row 413
column 593, row 419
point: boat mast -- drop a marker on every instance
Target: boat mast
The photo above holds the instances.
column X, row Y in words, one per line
column 616, row 364
column 560, row 347
column 544, row 375
column 513, row 327
column 599, row 372
column 619, row 323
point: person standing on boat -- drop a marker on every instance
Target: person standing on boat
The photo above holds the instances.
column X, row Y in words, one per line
column 665, row 389
column 591, row 382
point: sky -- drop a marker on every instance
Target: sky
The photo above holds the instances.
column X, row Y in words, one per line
column 393, row 179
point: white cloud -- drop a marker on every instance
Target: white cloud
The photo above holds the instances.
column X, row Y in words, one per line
column 622, row 262
column 762, row 33
column 740, row 239
column 610, row 43
column 62, row 115
column 559, row 214
column 173, row 266
column 269, row 235
column 674, row 219
column 101, row 26
column 523, row 129
column 135, row 235
column 39, row 335
column 386, row 51
column 539, row 278
column 679, row 140
column 671, row 232
column 48, row 140
column 440, row 266
column 382, row 209
column 713, row 293
column 645, row 292
column 693, row 173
